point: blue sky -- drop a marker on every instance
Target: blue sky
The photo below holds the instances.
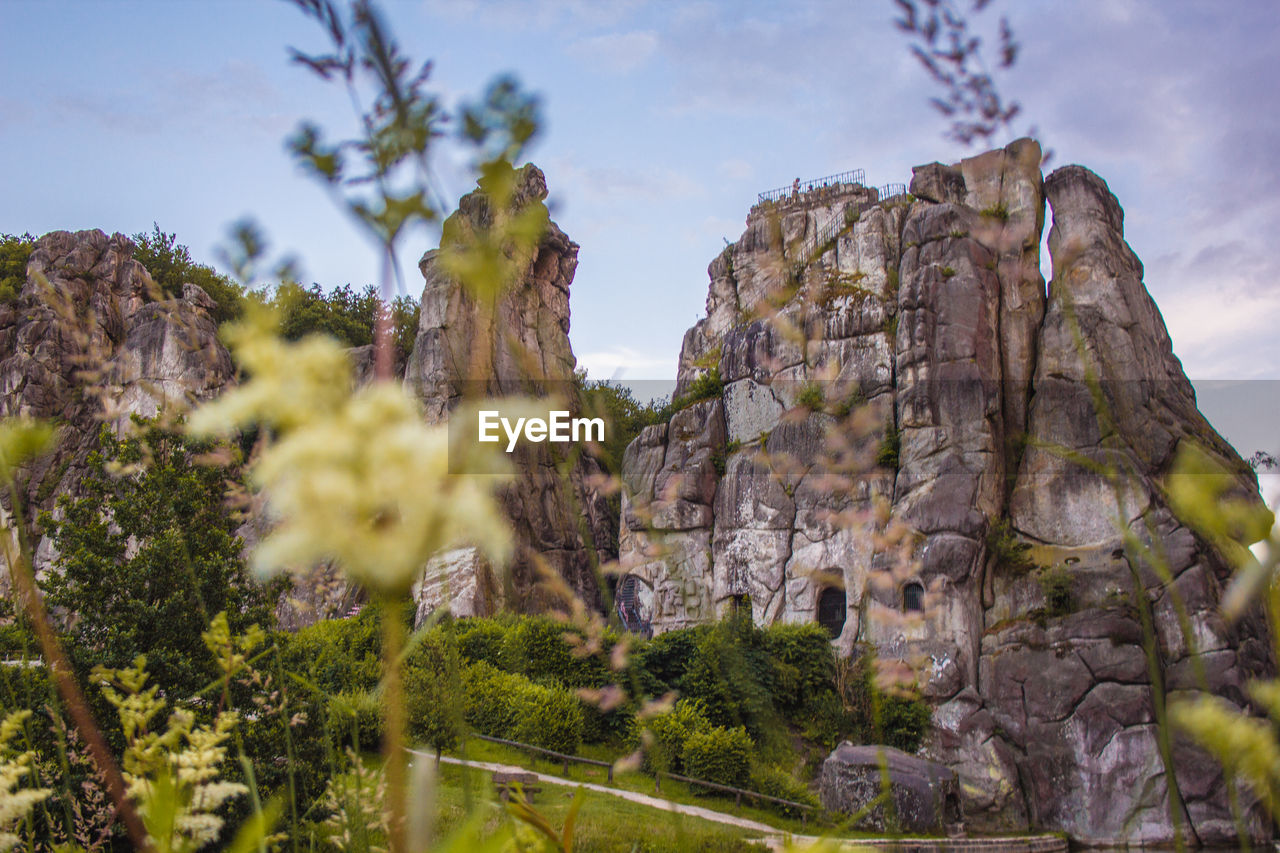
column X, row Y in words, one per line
column 663, row 120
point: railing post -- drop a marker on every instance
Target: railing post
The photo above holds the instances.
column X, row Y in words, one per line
column 610, row 774
column 737, row 800
column 657, row 783
column 566, row 767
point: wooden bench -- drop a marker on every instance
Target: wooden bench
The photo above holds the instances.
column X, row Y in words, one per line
column 507, row 783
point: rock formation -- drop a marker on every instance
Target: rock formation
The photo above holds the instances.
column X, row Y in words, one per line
column 927, row 318
column 90, row 339
column 516, row 345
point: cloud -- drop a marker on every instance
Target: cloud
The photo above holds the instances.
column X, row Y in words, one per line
column 619, row 53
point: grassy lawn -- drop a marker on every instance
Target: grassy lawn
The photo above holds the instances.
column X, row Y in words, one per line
column 605, row 824
column 479, row 750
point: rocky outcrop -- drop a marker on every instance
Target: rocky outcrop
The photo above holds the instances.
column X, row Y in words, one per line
column 898, row 363
column 925, row 795
column 517, row 344
column 90, row 339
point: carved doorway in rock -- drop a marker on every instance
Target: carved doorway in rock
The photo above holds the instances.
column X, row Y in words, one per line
column 832, row 610
column 634, row 602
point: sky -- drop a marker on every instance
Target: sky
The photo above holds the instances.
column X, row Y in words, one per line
column 662, row 120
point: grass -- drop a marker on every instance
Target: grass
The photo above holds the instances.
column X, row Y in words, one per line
column 640, row 783
column 604, row 824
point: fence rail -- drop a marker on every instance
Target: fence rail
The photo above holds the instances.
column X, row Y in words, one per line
column 891, row 190
column 854, row 176
column 566, row 760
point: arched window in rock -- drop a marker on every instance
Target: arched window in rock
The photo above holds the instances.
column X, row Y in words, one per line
column 832, row 610
column 913, row 597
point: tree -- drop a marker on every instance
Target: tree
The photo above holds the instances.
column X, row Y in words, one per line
column 14, row 253
column 147, row 556
column 171, row 266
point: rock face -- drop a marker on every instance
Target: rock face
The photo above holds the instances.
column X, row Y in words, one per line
column 515, row 345
column 926, row 795
column 89, row 339
column 927, row 320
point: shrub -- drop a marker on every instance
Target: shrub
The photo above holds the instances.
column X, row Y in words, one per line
column 904, row 722
column 14, row 254
column 337, row 654
column 706, row 386
column 999, row 210
column 890, row 447
column 1055, row 582
column 732, row 674
column 948, row 272
column 537, row 647
column 826, row 721
column 491, row 699
column 549, row 717
column 810, row 397
column 720, row 755
column 659, row 665
column 356, row 718
column 802, row 663
column 772, row 781
column 481, row 639
column 507, row 705
column 432, row 682
column 670, row 731
column 1008, row 553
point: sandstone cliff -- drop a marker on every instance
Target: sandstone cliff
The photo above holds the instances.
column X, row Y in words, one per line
column 927, row 318
column 517, row 344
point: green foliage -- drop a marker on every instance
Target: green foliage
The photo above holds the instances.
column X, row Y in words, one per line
column 507, row 705
column 890, row 447
column 1008, row 552
column 1055, row 582
column 481, row 639
column 549, row 717
column 905, row 721
column 773, row 781
column 337, row 654
column 719, row 754
column 948, row 272
column 356, row 718
column 733, row 676
column 539, row 648
column 999, row 211
column 147, row 556
column 171, row 266
column 705, row 386
column 659, row 666
column 868, row 714
column 810, row 397
column 623, row 414
column 14, row 254
column 432, row 682
column 668, row 733
column 803, row 663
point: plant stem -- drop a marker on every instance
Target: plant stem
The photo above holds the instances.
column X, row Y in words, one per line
column 393, row 734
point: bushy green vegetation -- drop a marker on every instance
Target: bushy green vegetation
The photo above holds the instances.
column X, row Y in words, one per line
column 1008, row 553
column 14, row 254
column 171, row 266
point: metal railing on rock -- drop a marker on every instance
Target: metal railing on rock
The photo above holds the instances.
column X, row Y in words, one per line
column 854, row 176
column 891, row 190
